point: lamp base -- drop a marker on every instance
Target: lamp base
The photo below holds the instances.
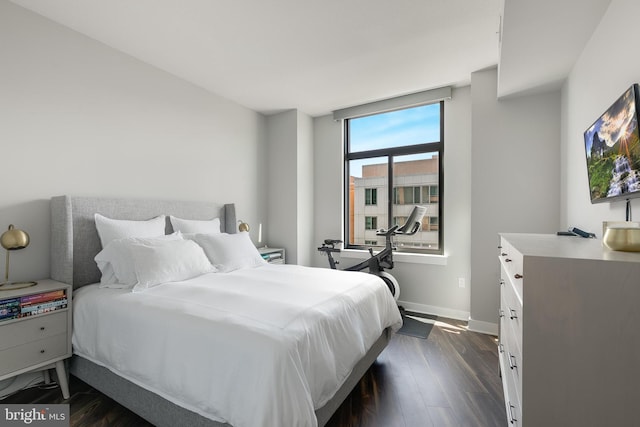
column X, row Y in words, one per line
column 9, row 286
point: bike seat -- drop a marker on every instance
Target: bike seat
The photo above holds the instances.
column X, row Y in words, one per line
column 331, row 241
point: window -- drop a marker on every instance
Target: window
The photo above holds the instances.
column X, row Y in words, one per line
column 415, row 195
column 370, row 223
column 433, row 194
column 399, row 220
column 433, row 223
column 370, row 196
column 393, row 161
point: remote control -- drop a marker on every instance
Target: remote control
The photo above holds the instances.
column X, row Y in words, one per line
column 582, row 233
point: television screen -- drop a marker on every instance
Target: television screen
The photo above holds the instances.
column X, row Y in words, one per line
column 612, row 146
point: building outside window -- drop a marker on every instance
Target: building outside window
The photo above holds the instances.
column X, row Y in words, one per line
column 393, row 161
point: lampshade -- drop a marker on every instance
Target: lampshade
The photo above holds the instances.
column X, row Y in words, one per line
column 243, row 226
column 14, row 239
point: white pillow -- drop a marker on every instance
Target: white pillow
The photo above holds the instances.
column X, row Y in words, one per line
column 171, row 261
column 195, row 225
column 113, row 229
column 116, row 262
column 229, row 252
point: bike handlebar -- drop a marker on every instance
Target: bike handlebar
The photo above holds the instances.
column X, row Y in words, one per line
column 328, row 249
column 390, row 232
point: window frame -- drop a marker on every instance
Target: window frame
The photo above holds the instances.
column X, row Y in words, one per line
column 390, row 153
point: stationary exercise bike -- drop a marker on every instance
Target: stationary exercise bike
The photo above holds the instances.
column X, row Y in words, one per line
column 383, row 259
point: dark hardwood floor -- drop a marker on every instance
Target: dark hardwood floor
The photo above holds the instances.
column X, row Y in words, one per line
column 449, row 379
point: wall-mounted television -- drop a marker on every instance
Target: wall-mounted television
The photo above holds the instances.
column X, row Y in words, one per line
column 612, row 146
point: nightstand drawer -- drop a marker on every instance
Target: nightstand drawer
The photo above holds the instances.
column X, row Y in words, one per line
column 36, row 328
column 33, row 353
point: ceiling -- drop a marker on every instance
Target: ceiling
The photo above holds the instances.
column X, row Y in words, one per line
column 318, row 56
column 541, row 41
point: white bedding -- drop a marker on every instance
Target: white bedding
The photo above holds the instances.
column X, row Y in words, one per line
column 256, row 347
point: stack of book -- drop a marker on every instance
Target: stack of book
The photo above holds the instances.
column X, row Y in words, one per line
column 272, row 256
column 30, row 305
column 9, row 308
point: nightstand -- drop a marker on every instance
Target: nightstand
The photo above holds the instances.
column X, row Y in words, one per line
column 35, row 330
column 272, row 255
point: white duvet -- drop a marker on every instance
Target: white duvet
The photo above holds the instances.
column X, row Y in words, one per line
column 256, row 347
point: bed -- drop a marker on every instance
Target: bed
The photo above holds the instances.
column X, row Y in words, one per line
column 309, row 396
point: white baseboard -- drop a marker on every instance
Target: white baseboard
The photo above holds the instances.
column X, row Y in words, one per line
column 483, row 327
column 473, row 325
column 438, row 311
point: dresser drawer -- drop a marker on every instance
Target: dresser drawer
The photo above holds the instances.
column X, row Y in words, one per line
column 514, row 407
column 512, row 400
column 33, row 353
column 511, row 258
column 513, row 264
column 512, row 310
column 513, row 358
column 36, row 328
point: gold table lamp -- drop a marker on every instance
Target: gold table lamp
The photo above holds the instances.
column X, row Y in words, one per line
column 243, row 226
column 12, row 240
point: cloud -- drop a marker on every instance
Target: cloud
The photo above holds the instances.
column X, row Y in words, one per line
column 618, row 121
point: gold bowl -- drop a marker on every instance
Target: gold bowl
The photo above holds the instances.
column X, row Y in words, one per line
column 625, row 239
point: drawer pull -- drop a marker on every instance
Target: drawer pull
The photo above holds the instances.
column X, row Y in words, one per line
column 42, row 351
column 500, row 313
column 42, row 328
column 501, row 348
column 501, row 282
column 512, row 361
column 507, row 260
column 512, row 417
column 517, row 276
column 513, row 314
column 503, row 254
column 499, row 247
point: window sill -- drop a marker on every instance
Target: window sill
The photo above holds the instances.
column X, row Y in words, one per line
column 399, row 257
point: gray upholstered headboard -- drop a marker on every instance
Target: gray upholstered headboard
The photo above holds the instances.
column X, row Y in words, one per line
column 75, row 241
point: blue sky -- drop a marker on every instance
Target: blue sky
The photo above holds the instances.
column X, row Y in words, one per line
column 411, row 126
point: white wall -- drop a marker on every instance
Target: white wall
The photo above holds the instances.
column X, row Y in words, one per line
column 306, row 245
column 77, row 117
column 515, row 181
column 608, row 65
column 281, row 159
column 290, row 190
column 327, row 183
column 429, row 288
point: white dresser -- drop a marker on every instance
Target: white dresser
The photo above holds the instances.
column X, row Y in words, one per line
column 569, row 344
